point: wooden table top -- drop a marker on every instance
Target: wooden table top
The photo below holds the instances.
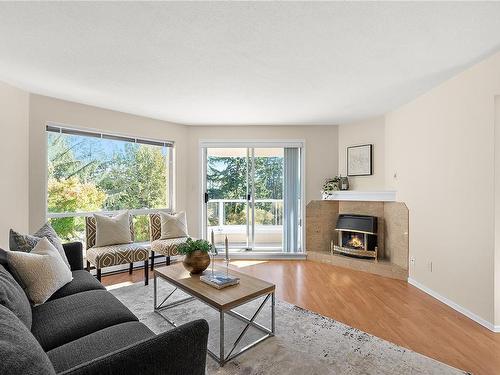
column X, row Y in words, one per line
column 224, row 299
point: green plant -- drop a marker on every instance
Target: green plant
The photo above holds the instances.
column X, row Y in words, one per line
column 190, row 246
column 70, row 195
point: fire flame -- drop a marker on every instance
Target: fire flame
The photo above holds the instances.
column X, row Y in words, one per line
column 355, row 242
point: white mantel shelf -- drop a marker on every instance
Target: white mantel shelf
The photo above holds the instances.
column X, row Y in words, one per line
column 353, row 195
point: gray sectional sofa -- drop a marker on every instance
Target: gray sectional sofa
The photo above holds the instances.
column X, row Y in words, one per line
column 84, row 329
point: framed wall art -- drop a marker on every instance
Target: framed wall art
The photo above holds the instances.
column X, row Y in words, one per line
column 359, row 160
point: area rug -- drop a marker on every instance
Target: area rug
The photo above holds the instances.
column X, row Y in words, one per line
column 305, row 342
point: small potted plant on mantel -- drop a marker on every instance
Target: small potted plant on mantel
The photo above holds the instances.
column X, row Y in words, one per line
column 196, row 258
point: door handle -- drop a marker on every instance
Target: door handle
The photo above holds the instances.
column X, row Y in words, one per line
column 206, row 198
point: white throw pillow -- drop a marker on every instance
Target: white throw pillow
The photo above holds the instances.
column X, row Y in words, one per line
column 173, row 226
column 42, row 271
column 112, row 230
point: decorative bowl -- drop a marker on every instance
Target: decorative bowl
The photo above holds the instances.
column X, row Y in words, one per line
column 196, row 262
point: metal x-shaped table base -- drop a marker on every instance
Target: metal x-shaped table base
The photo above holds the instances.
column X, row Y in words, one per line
column 222, row 358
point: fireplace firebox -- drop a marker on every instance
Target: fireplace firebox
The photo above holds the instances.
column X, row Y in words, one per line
column 357, row 236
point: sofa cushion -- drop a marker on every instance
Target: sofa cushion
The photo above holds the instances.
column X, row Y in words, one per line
column 42, row 271
column 20, row 353
column 12, row 296
column 82, row 282
column 167, row 247
column 113, row 255
column 98, row 344
column 65, row 319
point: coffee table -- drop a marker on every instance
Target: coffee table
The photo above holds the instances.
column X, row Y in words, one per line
column 224, row 301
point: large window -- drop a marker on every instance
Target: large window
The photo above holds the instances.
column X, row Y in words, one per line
column 92, row 172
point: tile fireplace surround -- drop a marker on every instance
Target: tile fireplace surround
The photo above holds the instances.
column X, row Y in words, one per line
column 321, row 217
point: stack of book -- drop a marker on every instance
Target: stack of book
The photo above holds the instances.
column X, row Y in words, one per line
column 219, row 280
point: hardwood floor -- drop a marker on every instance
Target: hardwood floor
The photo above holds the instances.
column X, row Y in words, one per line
column 387, row 308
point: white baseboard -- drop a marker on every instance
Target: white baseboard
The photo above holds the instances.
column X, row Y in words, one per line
column 462, row 310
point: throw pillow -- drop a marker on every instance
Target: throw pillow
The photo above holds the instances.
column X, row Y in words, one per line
column 26, row 243
column 42, row 271
column 22, row 242
column 112, row 230
column 20, row 353
column 47, row 231
column 12, row 296
column 173, row 226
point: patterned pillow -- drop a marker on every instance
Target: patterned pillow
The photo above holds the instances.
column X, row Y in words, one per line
column 22, row 242
column 26, row 242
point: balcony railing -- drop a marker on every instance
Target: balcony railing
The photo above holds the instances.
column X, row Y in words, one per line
column 228, row 217
column 230, row 212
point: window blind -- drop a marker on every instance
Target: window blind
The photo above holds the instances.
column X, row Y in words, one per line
column 70, row 131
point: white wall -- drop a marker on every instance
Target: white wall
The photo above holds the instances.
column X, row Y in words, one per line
column 369, row 131
column 321, row 149
column 441, row 146
column 497, row 212
column 321, row 157
column 44, row 109
column 14, row 113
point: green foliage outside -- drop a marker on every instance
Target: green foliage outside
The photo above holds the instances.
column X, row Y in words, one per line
column 190, row 246
column 70, row 195
column 87, row 174
column 227, row 179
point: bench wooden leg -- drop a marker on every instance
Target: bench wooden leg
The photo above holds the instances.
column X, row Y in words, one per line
column 146, row 272
column 152, row 260
column 130, row 268
column 168, row 261
column 99, row 274
column 88, row 266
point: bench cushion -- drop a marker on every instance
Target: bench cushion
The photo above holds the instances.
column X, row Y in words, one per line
column 167, row 247
column 20, row 353
column 98, row 344
column 82, row 282
column 65, row 319
column 113, row 255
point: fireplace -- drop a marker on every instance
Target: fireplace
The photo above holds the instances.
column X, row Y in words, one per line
column 357, row 236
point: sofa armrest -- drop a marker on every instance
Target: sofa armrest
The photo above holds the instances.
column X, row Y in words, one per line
column 74, row 253
column 181, row 351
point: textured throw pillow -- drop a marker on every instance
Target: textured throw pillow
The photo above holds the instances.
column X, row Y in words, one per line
column 20, row 353
column 112, row 230
column 42, row 271
column 12, row 296
column 173, row 226
column 26, row 243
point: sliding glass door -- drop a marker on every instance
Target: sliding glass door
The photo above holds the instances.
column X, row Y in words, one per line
column 227, row 196
column 247, row 193
column 267, row 202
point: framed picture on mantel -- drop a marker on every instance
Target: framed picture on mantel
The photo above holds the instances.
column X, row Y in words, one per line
column 359, row 160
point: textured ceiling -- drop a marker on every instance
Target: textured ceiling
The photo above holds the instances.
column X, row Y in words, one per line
column 243, row 62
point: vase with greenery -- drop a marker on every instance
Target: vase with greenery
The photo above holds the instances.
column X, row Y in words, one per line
column 196, row 258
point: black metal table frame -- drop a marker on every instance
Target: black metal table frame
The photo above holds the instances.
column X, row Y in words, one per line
column 222, row 358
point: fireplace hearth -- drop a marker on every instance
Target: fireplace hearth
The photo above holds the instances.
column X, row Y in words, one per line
column 357, row 236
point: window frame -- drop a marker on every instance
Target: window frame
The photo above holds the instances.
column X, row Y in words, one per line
column 72, row 130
